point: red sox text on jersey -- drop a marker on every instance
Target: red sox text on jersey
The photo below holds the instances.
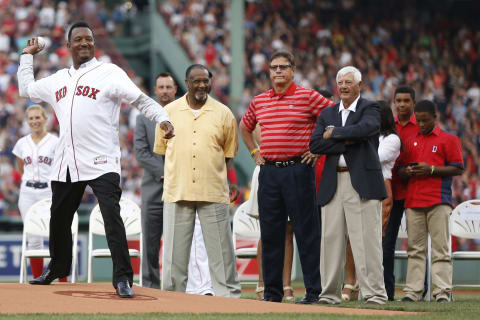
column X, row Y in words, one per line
column 41, row 159
column 81, row 90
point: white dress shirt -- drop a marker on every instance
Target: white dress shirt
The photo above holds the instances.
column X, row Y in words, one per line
column 345, row 113
column 388, row 152
column 87, row 103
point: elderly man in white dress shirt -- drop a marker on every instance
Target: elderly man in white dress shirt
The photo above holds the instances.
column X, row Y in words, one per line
column 86, row 99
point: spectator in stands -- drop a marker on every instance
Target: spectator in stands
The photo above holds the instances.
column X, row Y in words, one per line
column 287, row 112
column 431, row 158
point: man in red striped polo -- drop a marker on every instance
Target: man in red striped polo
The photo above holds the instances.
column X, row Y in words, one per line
column 287, row 115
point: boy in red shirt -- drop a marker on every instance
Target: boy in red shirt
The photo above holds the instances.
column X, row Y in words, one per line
column 431, row 158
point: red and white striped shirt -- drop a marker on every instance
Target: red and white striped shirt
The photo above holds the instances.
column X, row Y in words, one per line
column 287, row 120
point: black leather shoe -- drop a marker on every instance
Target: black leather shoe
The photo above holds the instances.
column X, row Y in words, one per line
column 308, row 300
column 271, row 300
column 407, row 299
column 124, row 290
column 45, row 279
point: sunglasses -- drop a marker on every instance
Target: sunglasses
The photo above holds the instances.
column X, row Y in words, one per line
column 282, row 67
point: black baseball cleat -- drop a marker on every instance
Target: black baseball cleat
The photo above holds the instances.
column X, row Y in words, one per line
column 45, row 279
column 308, row 300
column 124, row 290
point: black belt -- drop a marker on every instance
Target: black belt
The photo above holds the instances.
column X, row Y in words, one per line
column 37, row 185
column 342, row 169
column 285, row 163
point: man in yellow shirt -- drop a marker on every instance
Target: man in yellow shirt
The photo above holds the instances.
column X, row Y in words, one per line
column 195, row 181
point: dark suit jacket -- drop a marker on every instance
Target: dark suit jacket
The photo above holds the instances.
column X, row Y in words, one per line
column 361, row 127
column 152, row 163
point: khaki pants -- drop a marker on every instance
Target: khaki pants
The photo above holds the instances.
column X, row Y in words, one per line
column 420, row 223
column 178, row 226
column 361, row 219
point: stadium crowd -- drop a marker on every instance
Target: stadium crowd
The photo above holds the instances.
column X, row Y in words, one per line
column 441, row 63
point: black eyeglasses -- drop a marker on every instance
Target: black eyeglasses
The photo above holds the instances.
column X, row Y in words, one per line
column 282, row 67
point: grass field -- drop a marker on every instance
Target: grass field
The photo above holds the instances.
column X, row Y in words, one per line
column 464, row 307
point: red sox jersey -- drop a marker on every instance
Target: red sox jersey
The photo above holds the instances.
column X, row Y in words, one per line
column 87, row 103
column 37, row 158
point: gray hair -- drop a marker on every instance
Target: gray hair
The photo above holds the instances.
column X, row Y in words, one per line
column 357, row 75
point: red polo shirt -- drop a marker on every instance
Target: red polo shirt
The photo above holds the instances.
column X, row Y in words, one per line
column 438, row 149
column 399, row 187
column 287, row 120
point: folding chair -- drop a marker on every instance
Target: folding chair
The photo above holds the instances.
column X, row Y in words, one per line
column 402, row 234
column 245, row 226
column 246, row 231
column 37, row 223
column 465, row 223
column 131, row 217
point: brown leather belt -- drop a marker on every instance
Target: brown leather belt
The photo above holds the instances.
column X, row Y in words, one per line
column 342, row 169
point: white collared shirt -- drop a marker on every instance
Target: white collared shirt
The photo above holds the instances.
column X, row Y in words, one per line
column 345, row 113
column 87, row 103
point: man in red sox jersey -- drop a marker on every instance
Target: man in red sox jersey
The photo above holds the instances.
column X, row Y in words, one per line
column 86, row 98
column 431, row 158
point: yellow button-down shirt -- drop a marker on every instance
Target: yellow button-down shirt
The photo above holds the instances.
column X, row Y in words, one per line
column 195, row 168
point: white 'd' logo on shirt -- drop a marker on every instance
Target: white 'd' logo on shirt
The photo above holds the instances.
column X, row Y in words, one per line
column 290, row 106
column 434, row 149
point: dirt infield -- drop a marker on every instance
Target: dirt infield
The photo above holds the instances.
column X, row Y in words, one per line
column 101, row 298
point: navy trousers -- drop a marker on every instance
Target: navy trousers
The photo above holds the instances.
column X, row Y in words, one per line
column 289, row 192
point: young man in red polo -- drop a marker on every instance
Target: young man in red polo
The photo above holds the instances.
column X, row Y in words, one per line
column 406, row 125
column 432, row 157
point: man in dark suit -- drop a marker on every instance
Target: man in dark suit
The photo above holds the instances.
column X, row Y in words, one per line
column 152, row 182
column 351, row 190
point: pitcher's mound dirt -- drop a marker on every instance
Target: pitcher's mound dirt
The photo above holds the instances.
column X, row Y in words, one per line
column 101, row 298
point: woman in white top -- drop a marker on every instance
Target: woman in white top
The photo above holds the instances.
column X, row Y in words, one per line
column 388, row 152
column 35, row 154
